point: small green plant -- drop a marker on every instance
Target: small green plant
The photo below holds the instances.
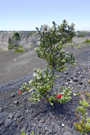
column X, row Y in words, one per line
column 42, row 85
column 83, row 124
column 87, row 41
column 13, row 42
column 23, row 133
column 10, row 44
column 87, row 94
column 79, row 46
column 19, row 49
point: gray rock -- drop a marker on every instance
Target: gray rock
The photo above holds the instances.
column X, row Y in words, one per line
column 1, row 122
column 67, row 133
column 13, row 94
column 8, row 122
column 16, row 102
column 21, row 118
column 1, row 109
column 71, row 81
column 71, row 77
column 81, row 83
column 75, row 79
column 66, row 73
column 10, row 116
column 18, row 115
column 68, row 79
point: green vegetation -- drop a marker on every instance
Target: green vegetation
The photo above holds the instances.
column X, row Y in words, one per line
column 51, row 45
column 83, row 124
column 13, row 43
column 19, row 49
column 10, row 44
column 87, row 94
column 87, row 41
column 79, row 46
column 51, row 48
column 23, row 133
column 16, row 36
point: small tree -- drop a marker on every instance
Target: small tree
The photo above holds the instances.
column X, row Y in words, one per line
column 16, row 36
column 13, row 42
column 51, row 49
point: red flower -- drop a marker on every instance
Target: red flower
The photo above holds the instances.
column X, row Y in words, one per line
column 58, row 95
column 19, row 92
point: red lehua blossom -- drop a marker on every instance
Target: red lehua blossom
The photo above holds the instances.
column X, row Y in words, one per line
column 58, row 95
column 19, row 92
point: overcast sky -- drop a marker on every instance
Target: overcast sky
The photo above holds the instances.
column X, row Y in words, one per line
column 28, row 14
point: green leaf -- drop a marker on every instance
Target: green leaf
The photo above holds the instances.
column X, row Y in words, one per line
column 22, row 132
column 84, row 103
column 88, row 119
column 81, row 109
column 32, row 133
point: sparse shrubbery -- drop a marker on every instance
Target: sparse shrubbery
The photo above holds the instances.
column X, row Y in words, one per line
column 10, row 44
column 51, row 49
column 19, row 49
column 79, row 46
column 16, row 36
column 83, row 124
column 13, row 43
column 23, row 133
column 87, row 41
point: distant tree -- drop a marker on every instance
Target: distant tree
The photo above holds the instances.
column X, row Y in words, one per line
column 14, row 41
column 10, row 44
column 16, row 36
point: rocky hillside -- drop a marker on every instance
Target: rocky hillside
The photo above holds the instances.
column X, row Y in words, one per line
column 27, row 38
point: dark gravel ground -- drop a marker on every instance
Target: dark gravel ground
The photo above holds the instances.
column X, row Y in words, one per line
column 16, row 112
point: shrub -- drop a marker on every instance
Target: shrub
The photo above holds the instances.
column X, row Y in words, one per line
column 79, row 46
column 51, row 49
column 83, row 124
column 87, row 41
column 23, row 133
column 10, row 44
column 19, row 49
column 13, row 42
column 16, row 36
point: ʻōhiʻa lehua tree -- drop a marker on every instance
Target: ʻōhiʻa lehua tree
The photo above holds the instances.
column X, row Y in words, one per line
column 51, row 49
